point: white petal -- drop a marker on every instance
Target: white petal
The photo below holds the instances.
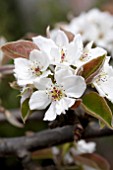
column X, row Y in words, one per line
column 21, row 63
column 46, row 73
column 62, row 72
column 83, row 147
column 39, row 100
column 74, row 50
column 61, row 39
column 105, row 89
column 22, row 71
column 50, row 113
column 98, row 88
column 64, row 104
column 23, row 82
column 44, row 44
column 43, row 83
column 88, row 46
column 56, row 57
column 74, row 86
column 96, row 52
column 41, row 58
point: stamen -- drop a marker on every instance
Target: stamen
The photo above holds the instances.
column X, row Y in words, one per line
column 36, row 68
column 84, row 57
column 102, row 77
column 56, row 93
column 63, row 55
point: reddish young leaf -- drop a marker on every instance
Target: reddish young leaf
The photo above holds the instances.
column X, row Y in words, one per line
column 91, row 69
column 21, row 48
column 93, row 160
column 12, row 119
column 69, row 34
column 76, row 104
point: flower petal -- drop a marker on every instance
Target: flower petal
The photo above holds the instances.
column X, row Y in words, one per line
column 96, row 52
column 74, row 86
column 74, row 50
column 39, row 100
column 61, row 72
column 44, row 44
column 88, row 46
column 61, row 39
column 64, row 104
column 40, row 57
column 22, row 71
column 43, row 83
column 105, row 89
column 56, row 57
column 50, row 113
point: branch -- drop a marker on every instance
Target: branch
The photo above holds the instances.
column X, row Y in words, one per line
column 94, row 131
column 37, row 115
column 46, row 138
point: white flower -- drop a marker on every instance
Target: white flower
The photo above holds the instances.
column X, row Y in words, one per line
column 27, row 70
column 103, row 82
column 93, row 25
column 86, row 54
column 60, row 50
column 61, row 95
column 85, row 147
column 80, row 147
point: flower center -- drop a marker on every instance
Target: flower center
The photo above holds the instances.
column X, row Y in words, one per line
column 84, row 57
column 56, row 93
column 102, row 77
column 36, row 68
column 63, row 55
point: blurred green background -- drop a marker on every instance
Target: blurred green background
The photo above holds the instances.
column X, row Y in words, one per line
column 18, row 17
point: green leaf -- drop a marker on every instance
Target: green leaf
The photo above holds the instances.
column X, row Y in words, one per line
column 97, row 106
column 65, row 148
column 25, row 110
column 110, row 105
column 91, row 69
column 102, row 124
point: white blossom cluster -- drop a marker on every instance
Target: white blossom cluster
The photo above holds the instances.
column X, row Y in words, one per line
column 51, row 71
column 78, row 148
column 93, row 25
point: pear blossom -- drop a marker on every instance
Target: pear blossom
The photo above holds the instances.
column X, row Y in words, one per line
column 87, row 53
column 103, row 81
column 61, row 51
column 77, row 148
column 85, row 147
column 60, row 95
column 93, row 25
column 27, row 70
